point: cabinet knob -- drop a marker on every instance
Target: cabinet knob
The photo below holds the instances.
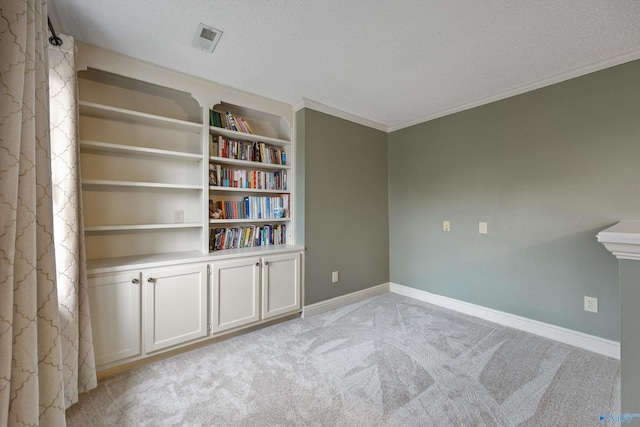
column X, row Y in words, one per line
column 266, row 263
column 135, row 281
column 257, row 264
column 151, row 280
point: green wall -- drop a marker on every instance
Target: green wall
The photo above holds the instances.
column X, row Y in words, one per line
column 630, row 336
column 346, row 222
column 547, row 170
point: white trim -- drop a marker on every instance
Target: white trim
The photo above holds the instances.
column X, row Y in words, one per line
column 317, row 106
column 622, row 239
column 528, row 87
column 557, row 333
column 342, row 300
column 557, row 78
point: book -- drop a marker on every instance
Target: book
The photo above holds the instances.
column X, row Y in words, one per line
column 215, row 119
column 246, row 123
column 232, row 122
column 213, row 145
column 215, row 172
column 239, row 124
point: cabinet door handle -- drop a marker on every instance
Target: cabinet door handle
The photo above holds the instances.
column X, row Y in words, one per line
column 257, row 264
column 135, row 281
column 266, row 263
column 151, row 280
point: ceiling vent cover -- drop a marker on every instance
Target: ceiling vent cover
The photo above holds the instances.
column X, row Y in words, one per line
column 206, row 38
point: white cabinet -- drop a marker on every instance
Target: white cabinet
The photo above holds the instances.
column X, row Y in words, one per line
column 280, row 284
column 175, row 305
column 115, row 316
column 143, row 312
column 236, row 285
column 235, row 294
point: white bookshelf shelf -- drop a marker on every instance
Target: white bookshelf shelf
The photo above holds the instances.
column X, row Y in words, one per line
column 238, row 190
column 125, row 227
column 232, row 134
column 248, row 164
column 109, row 148
column 127, row 263
column 101, row 111
column 109, row 183
column 248, row 221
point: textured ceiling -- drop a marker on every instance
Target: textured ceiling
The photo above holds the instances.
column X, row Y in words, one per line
column 394, row 62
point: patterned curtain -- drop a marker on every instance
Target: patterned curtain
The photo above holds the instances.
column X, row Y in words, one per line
column 75, row 325
column 31, row 387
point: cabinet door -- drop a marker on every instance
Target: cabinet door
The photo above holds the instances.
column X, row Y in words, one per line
column 115, row 316
column 280, row 284
column 175, row 305
column 235, row 293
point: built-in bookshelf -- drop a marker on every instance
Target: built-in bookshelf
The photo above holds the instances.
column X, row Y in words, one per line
column 155, row 162
column 163, row 273
column 249, row 179
column 142, row 161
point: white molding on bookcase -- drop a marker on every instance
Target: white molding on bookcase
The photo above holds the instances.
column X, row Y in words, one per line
column 557, row 78
column 314, row 105
column 578, row 339
column 342, row 300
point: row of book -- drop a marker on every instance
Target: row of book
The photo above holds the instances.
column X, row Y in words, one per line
column 247, row 150
column 247, row 236
column 228, row 121
column 241, row 178
column 254, row 207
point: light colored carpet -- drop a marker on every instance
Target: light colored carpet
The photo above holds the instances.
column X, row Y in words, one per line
column 388, row 360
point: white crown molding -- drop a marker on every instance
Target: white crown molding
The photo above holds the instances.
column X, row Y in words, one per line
column 557, row 333
column 341, row 301
column 576, row 72
column 557, row 78
column 317, row 106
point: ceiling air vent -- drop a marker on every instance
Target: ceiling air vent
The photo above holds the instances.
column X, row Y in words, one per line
column 206, row 38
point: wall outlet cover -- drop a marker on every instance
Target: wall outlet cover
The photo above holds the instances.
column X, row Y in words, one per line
column 591, row 304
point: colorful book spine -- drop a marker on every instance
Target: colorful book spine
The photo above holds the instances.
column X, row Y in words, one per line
column 247, row 236
column 255, row 207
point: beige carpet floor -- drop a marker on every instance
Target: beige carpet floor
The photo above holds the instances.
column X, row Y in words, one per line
column 388, row 360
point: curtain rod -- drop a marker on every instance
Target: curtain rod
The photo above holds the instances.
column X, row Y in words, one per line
column 54, row 39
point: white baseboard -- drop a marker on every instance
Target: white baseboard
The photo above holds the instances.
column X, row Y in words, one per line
column 341, row 301
column 557, row 333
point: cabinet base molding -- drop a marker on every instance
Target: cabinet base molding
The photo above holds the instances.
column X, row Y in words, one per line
column 109, row 372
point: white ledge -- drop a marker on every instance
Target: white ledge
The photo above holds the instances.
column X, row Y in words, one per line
column 622, row 239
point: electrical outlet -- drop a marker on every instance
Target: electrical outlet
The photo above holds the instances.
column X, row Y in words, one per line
column 446, row 225
column 590, row 304
column 178, row 216
column 334, row 277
